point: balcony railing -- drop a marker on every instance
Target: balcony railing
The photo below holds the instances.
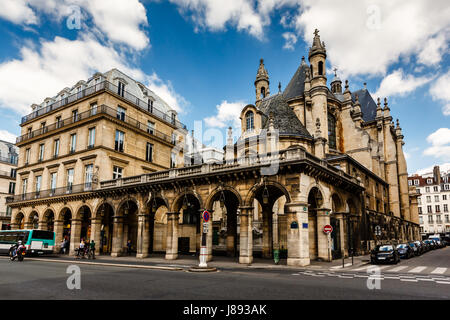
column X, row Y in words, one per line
column 107, row 86
column 103, row 109
column 67, row 190
column 11, row 160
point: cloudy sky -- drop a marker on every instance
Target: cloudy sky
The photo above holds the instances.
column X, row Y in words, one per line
column 201, row 56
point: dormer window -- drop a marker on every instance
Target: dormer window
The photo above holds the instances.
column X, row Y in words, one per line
column 250, row 121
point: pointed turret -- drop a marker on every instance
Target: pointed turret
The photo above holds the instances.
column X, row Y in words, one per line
column 386, row 110
column 261, row 83
column 379, row 109
column 336, row 84
column 317, row 46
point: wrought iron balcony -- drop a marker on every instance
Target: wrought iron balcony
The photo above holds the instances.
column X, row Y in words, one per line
column 67, row 190
column 103, row 109
column 109, row 87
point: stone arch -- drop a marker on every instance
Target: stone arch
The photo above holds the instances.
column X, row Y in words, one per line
column 33, row 219
column 124, row 201
column 99, row 206
column 320, row 188
column 337, row 203
column 212, row 196
column 78, row 210
column 177, row 202
column 19, row 220
column 252, row 193
column 48, row 217
column 63, row 210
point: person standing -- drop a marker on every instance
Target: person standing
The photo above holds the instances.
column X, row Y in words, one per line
column 129, row 247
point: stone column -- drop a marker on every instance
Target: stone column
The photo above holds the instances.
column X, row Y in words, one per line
column 96, row 226
column 323, row 240
column 267, row 232
column 340, row 217
column 42, row 225
column 246, row 236
column 58, row 229
column 209, row 237
column 172, row 235
column 143, row 241
column 117, row 243
column 28, row 225
column 75, row 233
column 297, row 234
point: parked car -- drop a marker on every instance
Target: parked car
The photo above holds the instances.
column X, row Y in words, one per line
column 430, row 243
column 384, row 253
column 426, row 246
column 405, row 251
column 416, row 248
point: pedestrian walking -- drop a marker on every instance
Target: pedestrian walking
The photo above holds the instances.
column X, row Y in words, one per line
column 92, row 248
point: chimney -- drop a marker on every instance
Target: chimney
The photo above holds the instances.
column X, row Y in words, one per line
column 437, row 175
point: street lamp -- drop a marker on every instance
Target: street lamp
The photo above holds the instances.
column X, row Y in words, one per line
column 265, row 195
column 222, row 199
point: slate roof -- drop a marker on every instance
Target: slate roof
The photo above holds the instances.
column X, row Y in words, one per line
column 284, row 118
column 368, row 105
column 296, row 86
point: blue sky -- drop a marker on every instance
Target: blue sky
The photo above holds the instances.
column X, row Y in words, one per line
column 201, row 56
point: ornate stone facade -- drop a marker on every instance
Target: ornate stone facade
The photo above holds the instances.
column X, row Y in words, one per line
column 307, row 157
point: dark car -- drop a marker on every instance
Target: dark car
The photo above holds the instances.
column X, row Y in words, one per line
column 420, row 247
column 426, row 246
column 415, row 247
column 384, row 253
column 430, row 243
column 405, row 251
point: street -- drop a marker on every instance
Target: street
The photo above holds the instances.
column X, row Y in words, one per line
column 424, row 277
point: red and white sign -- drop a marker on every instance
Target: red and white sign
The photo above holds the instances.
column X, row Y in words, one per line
column 327, row 229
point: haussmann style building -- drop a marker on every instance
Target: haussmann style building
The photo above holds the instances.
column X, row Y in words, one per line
column 308, row 157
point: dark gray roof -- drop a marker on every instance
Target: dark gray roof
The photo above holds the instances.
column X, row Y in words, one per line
column 284, row 118
column 368, row 106
column 296, row 86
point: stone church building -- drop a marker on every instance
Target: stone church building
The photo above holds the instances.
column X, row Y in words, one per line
column 307, row 157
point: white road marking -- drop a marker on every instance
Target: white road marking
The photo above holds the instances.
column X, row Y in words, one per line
column 417, row 269
column 442, row 282
column 439, row 271
column 409, row 280
column 340, row 267
column 397, row 269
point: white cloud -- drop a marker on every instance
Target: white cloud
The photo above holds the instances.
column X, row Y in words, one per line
column 18, row 12
column 399, row 84
column 434, row 49
column 291, row 40
column 445, row 167
column 440, row 144
column 7, row 136
column 38, row 74
column 369, row 37
column 440, row 91
column 166, row 91
column 120, row 21
column 228, row 114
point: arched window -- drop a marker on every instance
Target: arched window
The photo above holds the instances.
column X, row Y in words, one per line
column 263, row 92
column 320, row 68
column 249, row 117
column 331, row 132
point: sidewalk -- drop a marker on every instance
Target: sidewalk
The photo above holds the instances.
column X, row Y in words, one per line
column 185, row 262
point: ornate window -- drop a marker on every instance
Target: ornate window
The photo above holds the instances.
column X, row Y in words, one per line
column 250, row 121
column 320, row 68
column 331, row 132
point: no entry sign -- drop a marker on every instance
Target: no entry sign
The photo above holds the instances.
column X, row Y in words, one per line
column 327, row 229
column 205, row 216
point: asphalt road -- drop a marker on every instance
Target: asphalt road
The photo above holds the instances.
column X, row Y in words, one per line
column 46, row 280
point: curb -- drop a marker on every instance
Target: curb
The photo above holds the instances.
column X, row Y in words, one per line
column 199, row 269
column 109, row 264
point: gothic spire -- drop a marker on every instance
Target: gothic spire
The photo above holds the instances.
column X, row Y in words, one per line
column 317, row 46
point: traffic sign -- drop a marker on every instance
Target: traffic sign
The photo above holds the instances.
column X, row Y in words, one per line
column 327, row 229
column 205, row 216
column 205, row 227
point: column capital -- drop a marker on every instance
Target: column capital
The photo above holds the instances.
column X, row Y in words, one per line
column 75, row 220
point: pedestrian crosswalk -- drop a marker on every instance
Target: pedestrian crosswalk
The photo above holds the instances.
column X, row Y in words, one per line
column 402, row 269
